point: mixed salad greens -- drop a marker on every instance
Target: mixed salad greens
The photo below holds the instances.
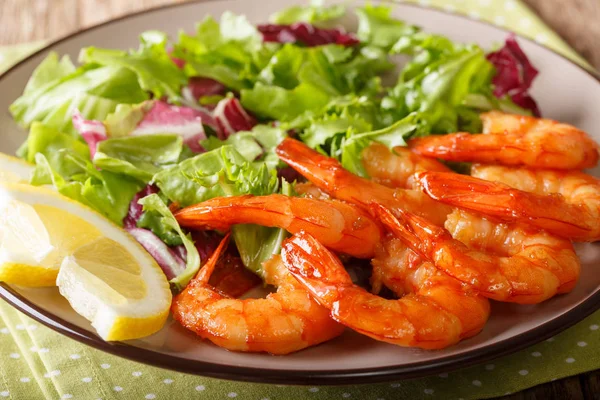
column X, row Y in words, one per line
column 135, row 134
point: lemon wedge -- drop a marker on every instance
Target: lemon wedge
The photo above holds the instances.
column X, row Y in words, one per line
column 14, row 169
column 107, row 277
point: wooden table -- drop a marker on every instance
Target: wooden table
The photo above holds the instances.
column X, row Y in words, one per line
column 577, row 21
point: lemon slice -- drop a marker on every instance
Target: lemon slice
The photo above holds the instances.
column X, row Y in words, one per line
column 35, row 236
column 14, row 169
column 102, row 271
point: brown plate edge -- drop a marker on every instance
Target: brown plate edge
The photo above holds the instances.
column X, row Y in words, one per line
column 300, row 377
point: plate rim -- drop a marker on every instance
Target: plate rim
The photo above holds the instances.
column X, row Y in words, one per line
column 300, row 377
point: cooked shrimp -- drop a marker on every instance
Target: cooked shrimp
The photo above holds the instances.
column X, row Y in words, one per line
column 403, row 271
column 517, row 265
column 396, row 168
column 283, row 322
column 340, row 226
column 566, row 204
column 438, row 315
column 515, row 140
column 329, row 175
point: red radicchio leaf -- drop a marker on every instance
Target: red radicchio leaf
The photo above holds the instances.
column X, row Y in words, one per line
column 91, row 131
column 135, row 208
column 306, row 34
column 231, row 118
column 171, row 260
column 166, row 118
column 168, row 260
column 177, row 61
column 515, row 74
column 289, row 174
column 201, row 87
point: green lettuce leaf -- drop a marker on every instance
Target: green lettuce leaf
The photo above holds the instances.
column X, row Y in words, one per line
column 438, row 81
column 316, row 14
column 138, row 157
column 225, row 172
column 50, row 69
column 378, row 28
column 125, row 118
column 256, row 244
column 274, row 102
column 64, row 162
column 96, row 92
column 154, row 203
column 319, row 130
column 220, row 172
column 392, row 136
column 256, row 145
column 75, row 176
column 150, row 64
column 48, row 141
column 230, row 52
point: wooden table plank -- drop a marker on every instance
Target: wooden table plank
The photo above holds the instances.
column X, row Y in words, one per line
column 577, row 21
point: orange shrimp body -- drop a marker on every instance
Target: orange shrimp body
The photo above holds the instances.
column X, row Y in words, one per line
column 505, row 263
column 515, row 140
column 566, row 204
column 329, row 175
column 340, row 226
column 403, row 271
column 431, row 318
column 283, row 322
column 395, row 169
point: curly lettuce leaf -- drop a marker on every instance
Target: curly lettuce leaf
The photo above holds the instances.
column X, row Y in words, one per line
column 151, row 64
column 75, row 176
column 225, row 172
column 49, row 70
column 138, row 157
column 95, row 92
column 153, row 203
column 48, row 140
column 220, row 172
column 392, row 136
column 274, row 102
column 323, row 130
column 438, row 81
column 256, row 145
column 125, row 118
column 229, row 51
column 378, row 28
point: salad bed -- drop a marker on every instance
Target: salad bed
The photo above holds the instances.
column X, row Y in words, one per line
column 136, row 134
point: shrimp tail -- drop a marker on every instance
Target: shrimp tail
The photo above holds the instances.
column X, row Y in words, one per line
column 432, row 318
column 415, row 232
column 315, row 167
column 495, row 199
column 312, row 265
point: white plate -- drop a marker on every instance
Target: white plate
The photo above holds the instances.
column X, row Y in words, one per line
column 564, row 91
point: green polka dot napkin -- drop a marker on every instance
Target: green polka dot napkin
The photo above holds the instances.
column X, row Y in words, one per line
column 36, row 363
